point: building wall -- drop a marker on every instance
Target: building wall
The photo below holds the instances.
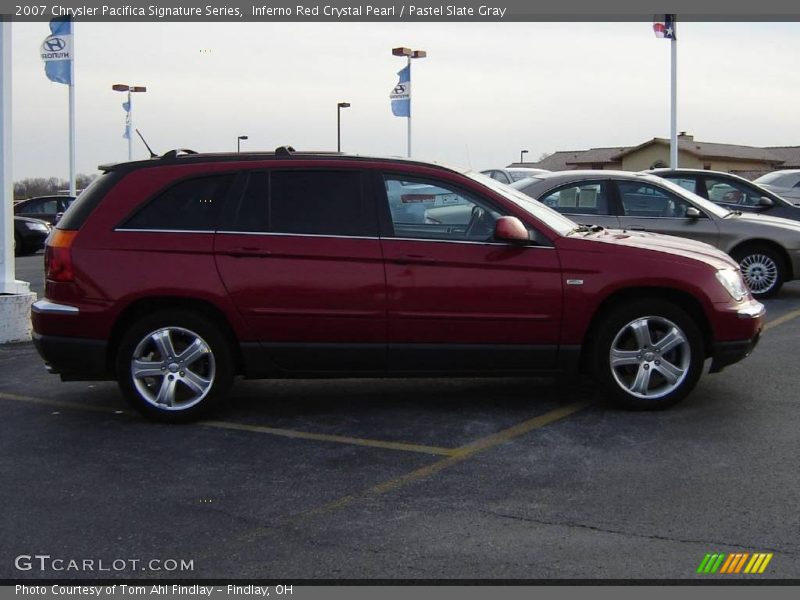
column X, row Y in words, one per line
column 646, row 157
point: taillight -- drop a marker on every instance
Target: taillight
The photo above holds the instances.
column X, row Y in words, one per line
column 58, row 256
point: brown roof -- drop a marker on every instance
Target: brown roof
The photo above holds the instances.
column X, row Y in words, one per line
column 789, row 155
column 712, row 150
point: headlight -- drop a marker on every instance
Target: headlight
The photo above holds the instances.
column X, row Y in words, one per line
column 37, row 226
column 732, row 281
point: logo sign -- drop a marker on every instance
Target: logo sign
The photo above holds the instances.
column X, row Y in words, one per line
column 402, row 91
column 734, row 563
column 56, row 47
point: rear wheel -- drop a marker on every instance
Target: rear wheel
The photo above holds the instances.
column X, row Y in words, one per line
column 762, row 268
column 648, row 354
column 174, row 366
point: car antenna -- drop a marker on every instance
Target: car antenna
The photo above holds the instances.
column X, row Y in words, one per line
column 149, row 149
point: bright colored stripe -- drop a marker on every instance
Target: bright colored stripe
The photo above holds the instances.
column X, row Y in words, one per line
column 741, row 562
column 711, row 562
column 765, row 563
column 703, row 564
column 757, row 558
column 727, row 564
column 736, row 557
column 718, row 563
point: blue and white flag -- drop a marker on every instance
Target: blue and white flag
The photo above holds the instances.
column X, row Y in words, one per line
column 126, row 106
column 401, row 94
column 665, row 28
column 57, row 52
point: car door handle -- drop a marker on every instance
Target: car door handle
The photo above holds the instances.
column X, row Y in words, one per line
column 413, row 258
column 247, row 252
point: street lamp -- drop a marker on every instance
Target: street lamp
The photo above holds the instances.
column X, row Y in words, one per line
column 239, row 142
column 122, row 87
column 409, row 54
column 339, row 108
column 521, row 154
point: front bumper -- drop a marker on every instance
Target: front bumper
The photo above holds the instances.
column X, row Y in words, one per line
column 729, row 352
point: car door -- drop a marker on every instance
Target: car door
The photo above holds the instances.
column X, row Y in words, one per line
column 458, row 300
column 585, row 202
column 645, row 206
column 300, row 258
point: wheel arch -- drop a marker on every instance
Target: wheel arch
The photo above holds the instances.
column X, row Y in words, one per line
column 684, row 300
column 144, row 306
column 771, row 244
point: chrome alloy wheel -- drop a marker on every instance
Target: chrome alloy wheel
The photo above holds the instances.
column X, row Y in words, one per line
column 650, row 357
column 173, row 368
column 760, row 272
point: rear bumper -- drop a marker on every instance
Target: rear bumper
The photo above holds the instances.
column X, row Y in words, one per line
column 74, row 359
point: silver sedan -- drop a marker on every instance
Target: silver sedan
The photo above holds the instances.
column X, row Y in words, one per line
column 766, row 248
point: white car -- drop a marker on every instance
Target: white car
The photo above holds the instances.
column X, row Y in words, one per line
column 785, row 183
column 512, row 174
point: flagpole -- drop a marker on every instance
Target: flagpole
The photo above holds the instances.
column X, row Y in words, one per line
column 673, row 143
column 130, row 126
column 409, row 109
column 72, row 188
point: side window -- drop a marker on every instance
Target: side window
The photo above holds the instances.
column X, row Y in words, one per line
column 731, row 192
column 427, row 209
column 190, row 205
column 500, row 176
column 251, row 212
column 686, row 183
column 43, row 207
column 589, row 198
column 317, row 202
column 646, row 200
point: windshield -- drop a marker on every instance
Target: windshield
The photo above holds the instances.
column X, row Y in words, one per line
column 516, row 175
column 548, row 216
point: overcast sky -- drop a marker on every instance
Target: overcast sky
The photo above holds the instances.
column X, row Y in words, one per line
column 484, row 92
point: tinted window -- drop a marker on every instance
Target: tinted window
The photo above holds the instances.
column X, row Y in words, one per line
column 686, row 183
column 428, row 209
column 645, row 200
column 42, row 207
column 252, row 211
column 191, row 205
column 317, row 202
column 589, row 198
column 80, row 208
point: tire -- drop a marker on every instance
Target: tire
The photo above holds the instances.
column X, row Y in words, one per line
column 649, row 373
column 763, row 269
column 186, row 384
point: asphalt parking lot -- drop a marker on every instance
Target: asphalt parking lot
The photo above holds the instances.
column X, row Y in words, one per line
column 417, row 479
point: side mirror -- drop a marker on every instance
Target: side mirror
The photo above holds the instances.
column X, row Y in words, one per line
column 693, row 213
column 510, row 229
column 766, row 202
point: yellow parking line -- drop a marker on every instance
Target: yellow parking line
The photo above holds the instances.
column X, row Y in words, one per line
column 289, row 433
column 322, row 437
column 781, row 320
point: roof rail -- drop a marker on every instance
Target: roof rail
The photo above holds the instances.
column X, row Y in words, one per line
column 284, row 151
column 175, row 153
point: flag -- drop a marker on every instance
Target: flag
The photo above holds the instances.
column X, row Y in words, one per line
column 665, row 28
column 57, row 52
column 126, row 106
column 401, row 94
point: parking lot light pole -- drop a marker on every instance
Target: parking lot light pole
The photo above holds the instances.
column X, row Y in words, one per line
column 339, row 108
column 521, row 154
column 121, row 87
column 409, row 54
column 239, row 142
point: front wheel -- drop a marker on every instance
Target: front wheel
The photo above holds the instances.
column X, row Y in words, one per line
column 174, row 366
column 648, row 354
column 762, row 269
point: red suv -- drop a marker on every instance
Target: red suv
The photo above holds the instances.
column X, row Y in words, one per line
column 175, row 274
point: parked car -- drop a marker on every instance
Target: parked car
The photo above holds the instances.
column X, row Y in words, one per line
column 172, row 275
column 731, row 192
column 512, row 174
column 45, row 208
column 766, row 248
column 29, row 235
column 785, row 183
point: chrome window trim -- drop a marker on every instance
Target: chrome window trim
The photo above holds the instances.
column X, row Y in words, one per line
column 313, row 235
column 164, row 230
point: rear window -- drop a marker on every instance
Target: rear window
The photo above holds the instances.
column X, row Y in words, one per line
column 191, row 205
column 80, row 209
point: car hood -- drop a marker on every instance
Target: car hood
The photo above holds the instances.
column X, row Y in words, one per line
column 30, row 220
column 668, row 244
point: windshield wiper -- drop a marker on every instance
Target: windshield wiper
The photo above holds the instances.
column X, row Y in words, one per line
column 588, row 229
column 737, row 213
